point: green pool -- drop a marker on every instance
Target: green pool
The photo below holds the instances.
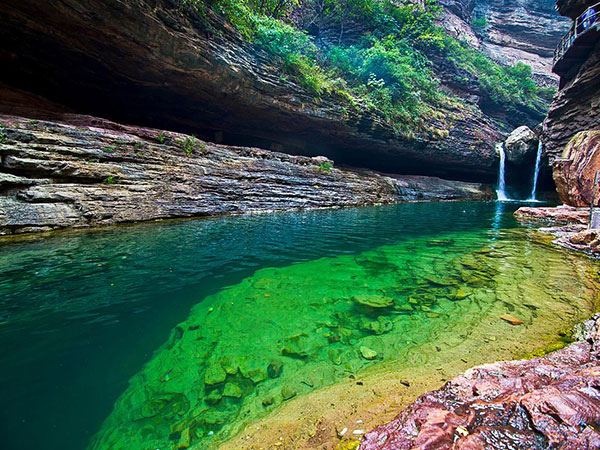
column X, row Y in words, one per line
column 176, row 335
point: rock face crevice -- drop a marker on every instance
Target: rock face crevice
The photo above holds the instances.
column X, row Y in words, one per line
column 56, row 176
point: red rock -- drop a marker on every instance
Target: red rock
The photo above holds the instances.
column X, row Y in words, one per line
column 575, row 171
column 560, row 215
column 541, row 403
column 511, row 319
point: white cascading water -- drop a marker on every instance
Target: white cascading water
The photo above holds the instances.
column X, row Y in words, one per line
column 536, row 174
column 501, row 190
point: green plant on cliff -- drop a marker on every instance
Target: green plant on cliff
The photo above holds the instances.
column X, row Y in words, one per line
column 479, row 24
column 385, row 66
column 190, row 145
column 3, row 135
column 325, row 167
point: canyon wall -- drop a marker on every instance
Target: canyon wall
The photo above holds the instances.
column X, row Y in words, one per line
column 93, row 172
column 152, row 63
column 513, row 31
column 574, row 116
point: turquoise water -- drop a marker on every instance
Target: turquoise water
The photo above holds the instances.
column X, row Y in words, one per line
column 81, row 313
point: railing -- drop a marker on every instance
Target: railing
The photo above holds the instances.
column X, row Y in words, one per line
column 582, row 24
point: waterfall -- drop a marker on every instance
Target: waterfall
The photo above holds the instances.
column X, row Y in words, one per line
column 501, row 190
column 536, row 173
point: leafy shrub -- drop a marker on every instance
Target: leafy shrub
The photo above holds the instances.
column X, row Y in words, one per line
column 389, row 68
column 479, row 24
column 325, row 167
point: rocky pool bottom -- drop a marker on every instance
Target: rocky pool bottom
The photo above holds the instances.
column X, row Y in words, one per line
column 313, row 354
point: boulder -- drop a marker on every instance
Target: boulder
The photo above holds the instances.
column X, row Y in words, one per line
column 561, row 215
column 519, row 144
column 575, row 171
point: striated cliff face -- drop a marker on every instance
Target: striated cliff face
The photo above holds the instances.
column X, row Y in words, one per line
column 574, row 116
column 94, row 172
column 513, row 31
column 152, row 63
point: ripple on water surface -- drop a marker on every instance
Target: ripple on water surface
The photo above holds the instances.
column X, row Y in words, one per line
column 281, row 305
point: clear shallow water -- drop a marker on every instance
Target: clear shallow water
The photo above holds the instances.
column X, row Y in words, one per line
column 81, row 313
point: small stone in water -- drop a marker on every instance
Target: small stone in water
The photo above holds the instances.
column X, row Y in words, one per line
column 511, row 319
column 274, row 369
column 368, row 353
column 214, row 397
column 288, row 392
column 214, row 374
column 232, row 390
column 373, row 301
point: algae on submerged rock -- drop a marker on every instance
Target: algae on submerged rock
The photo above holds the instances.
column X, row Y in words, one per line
column 287, row 315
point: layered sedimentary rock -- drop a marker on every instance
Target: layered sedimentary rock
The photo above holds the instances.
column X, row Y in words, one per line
column 575, row 171
column 155, row 63
column 549, row 402
column 576, row 107
column 571, row 128
column 516, row 31
column 97, row 172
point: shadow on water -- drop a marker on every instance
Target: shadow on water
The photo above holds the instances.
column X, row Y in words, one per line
column 81, row 313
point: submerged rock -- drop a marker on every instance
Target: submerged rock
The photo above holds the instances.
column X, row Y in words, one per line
column 379, row 326
column 373, row 301
column 214, row 374
column 232, row 390
column 367, row 352
column 288, row 392
column 536, row 404
column 274, row 369
column 511, row 319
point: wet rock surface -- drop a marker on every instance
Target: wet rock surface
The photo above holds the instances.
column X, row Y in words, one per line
column 99, row 172
column 568, row 225
column 541, row 403
column 561, row 215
